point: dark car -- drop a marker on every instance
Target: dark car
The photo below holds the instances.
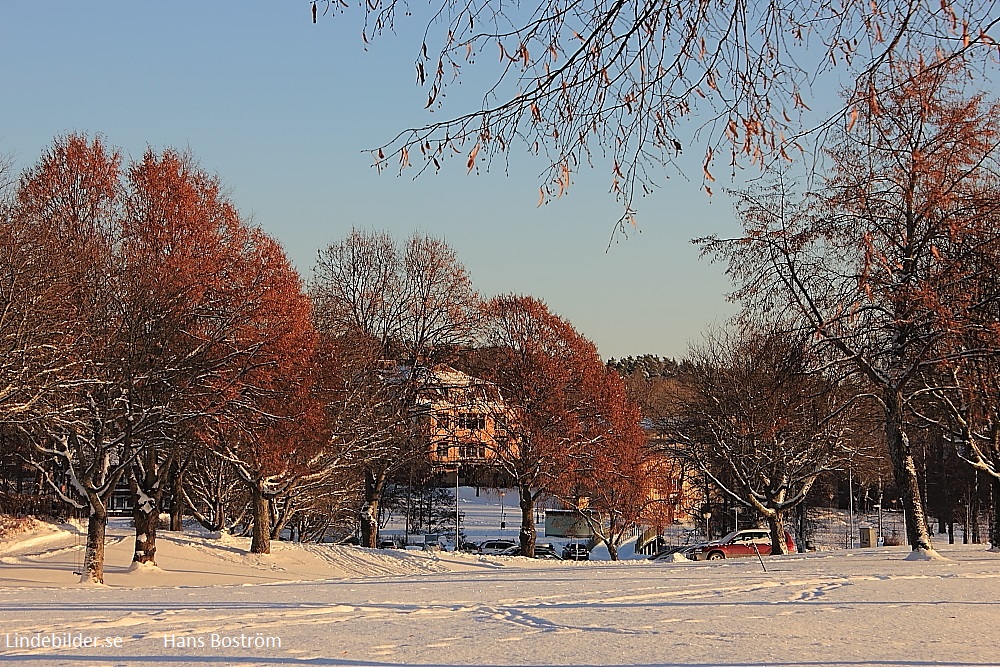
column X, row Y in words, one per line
column 740, row 544
column 542, row 551
column 494, row 547
column 668, row 553
column 388, row 544
column 547, row 551
column 576, row 551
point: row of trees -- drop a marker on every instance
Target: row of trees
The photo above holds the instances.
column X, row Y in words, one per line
column 152, row 336
column 144, row 321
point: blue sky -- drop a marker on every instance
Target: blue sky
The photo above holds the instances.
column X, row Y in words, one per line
column 283, row 111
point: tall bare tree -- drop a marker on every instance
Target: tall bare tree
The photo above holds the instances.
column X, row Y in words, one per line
column 759, row 424
column 390, row 312
column 869, row 265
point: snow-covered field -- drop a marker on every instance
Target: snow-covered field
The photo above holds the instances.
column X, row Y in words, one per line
column 210, row 603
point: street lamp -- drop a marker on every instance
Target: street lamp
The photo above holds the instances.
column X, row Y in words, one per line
column 708, row 530
column 850, row 503
column 458, row 467
column 503, row 515
column 880, row 541
column 736, row 510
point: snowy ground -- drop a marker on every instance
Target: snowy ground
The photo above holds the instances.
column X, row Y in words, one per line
column 346, row 606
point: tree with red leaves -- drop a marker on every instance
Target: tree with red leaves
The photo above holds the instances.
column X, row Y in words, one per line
column 177, row 231
column 66, row 210
column 269, row 426
column 613, row 467
column 549, row 376
column 172, row 317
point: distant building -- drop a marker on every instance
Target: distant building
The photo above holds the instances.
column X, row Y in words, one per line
column 464, row 419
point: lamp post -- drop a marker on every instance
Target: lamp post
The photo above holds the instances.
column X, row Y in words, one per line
column 903, row 514
column 850, row 503
column 736, row 511
column 458, row 467
column 708, row 528
column 503, row 515
column 879, row 539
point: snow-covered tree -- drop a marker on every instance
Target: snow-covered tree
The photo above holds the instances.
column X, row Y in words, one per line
column 387, row 311
column 759, row 424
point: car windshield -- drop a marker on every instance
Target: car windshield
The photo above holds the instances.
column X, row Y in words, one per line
column 730, row 537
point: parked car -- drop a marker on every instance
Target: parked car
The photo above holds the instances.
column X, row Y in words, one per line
column 495, row 547
column 740, row 544
column 388, row 544
column 542, row 551
column 576, row 551
column 546, row 551
column 668, row 553
column 470, row 547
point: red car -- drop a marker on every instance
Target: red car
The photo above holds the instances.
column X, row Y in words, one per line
column 739, row 544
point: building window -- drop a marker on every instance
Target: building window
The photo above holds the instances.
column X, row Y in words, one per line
column 476, row 451
column 471, row 421
column 443, row 450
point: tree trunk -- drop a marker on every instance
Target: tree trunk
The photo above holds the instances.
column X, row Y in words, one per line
column 612, row 549
column 368, row 516
column 176, row 498
column 261, row 543
column 97, row 526
column 905, row 472
column 147, row 519
column 527, row 535
column 146, row 511
column 976, row 508
column 282, row 517
column 776, row 523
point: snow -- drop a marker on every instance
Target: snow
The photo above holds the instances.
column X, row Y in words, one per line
column 208, row 601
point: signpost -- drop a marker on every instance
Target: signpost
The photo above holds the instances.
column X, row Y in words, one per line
column 566, row 523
